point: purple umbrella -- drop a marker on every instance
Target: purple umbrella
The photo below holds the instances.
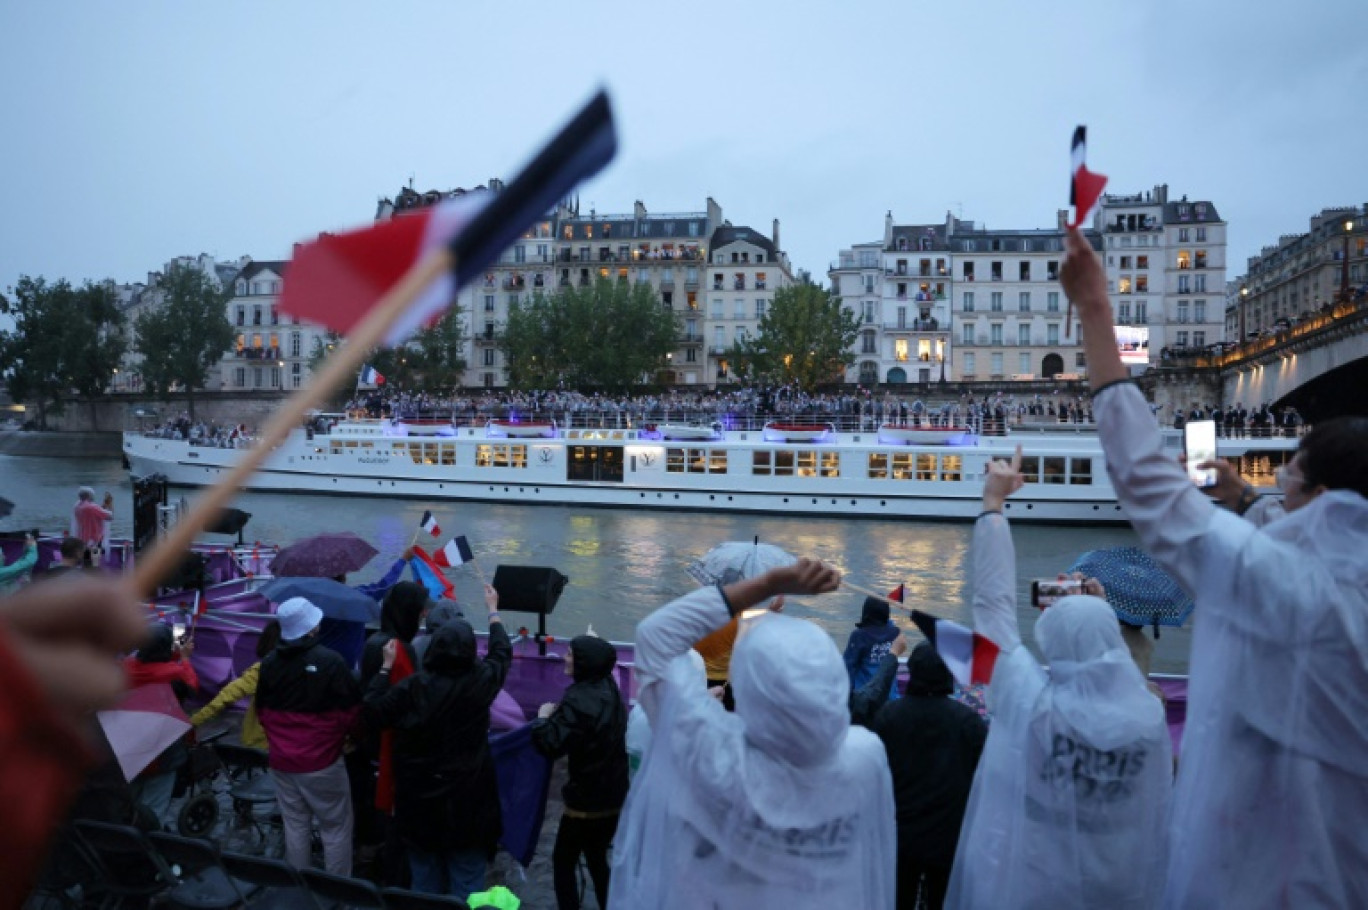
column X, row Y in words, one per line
column 323, row 556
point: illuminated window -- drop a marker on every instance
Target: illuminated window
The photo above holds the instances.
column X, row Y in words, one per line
column 1030, row 468
column 1080, row 470
column 900, row 349
column 878, row 465
column 830, row 464
column 926, row 467
column 902, row 465
column 1184, row 259
column 1054, row 470
column 1124, row 285
column 951, row 467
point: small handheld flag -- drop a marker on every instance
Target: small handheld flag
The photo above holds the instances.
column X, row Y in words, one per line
column 430, row 576
column 370, row 376
column 899, row 594
column 1085, row 187
column 429, row 524
column 968, row 655
column 456, row 552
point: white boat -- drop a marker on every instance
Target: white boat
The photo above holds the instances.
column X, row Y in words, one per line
column 812, row 470
column 913, row 434
column 688, row 431
column 522, row 429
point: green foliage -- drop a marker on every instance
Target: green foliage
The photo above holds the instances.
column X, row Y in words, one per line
column 432, row 359
column 65, row 340
column 611, row 335
column 804, row 338
column 184, row 337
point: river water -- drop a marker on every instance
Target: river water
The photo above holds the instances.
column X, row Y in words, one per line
column 621, row 563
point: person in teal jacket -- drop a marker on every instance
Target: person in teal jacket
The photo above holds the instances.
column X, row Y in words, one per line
column 11, row 576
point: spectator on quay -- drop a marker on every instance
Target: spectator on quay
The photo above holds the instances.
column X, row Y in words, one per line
column 869, row 643
column 1277, row 735
column 245, row 686
column 444, row 612
column 162, row 660
column 446, row 792
column 782, row 804
column 90, row 522
column 933, row 744
column 589, row 725
column 1069, row 802
column 72, row 555
column 308, row 700
column 13, row 576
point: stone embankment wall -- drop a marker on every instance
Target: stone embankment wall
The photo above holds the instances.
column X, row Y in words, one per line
column 119, row 412
column 61, row 445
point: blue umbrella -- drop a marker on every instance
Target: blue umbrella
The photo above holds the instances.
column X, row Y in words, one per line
column 336, row 600
column 1138, row 588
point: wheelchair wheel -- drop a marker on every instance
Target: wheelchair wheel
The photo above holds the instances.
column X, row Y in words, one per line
column 198, row 816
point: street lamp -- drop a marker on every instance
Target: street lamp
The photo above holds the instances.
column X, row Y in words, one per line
column 1344, row 266
column 940, row 356
column 1244, row 306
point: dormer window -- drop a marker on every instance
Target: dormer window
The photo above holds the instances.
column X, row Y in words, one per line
column 241, row 288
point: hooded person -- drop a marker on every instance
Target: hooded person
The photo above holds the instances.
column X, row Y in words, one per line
column 443, row 612
column 589, row 725
column 934, row 744
column 871, row 640
column 781, row 805
column 1069, row 804
column 446, row 808
column 162, row 661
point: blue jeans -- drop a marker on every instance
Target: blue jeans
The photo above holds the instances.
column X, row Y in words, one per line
column 459, row 873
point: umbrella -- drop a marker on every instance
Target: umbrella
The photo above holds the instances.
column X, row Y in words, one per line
column 1138, row 589
column 336, row 600
column 323, row 556
column 737, row 559
column 147, row 721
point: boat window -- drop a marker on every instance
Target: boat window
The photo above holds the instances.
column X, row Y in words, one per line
column 1030, row 468
column 717, row 461
column 761, row 461
column 1080, row 470
column 448, row 454
column 951, row 467
column 430, row 453
column 831, row 464
column 926, row 467
column 1054, row 470
column 878, row 465
column 500, row 455
column 367, row 445
column 902, row 465
column 698, row 463
column 783, row 463
column 674, row 461
column 807, row 462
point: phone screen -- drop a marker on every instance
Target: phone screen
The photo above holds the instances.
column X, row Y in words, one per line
column 1200, row 445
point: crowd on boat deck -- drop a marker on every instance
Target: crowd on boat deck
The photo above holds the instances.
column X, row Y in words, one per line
column 818, row 788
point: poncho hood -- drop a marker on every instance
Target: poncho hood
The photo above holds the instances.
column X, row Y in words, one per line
column 452, row 650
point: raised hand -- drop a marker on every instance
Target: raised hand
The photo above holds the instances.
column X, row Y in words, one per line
column 1002, row 480
column 1082, row 276
column 806, row 576
column 390, row 652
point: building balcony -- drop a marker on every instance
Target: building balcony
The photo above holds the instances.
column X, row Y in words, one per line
column 514, row 284
column 718, row 350
column 667, row 284
column 690, row 341
column 690, row 284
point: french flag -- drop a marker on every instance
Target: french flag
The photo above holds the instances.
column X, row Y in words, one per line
column 969, row 656
column 427, row 573
column 337, row 279
column 898, row 594
column 455, row 553
column 429, row 524
column 1085, row 187
column 371, row 376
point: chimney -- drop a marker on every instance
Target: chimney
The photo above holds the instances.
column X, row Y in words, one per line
column 639, row 209
column 888, row 227
column 775, row 237
column 1062, row 219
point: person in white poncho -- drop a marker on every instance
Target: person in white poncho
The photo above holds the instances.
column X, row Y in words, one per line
column 1069, row 802
column 1272, row 783
column 781, row 805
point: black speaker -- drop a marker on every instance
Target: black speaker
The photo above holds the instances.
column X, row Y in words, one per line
column 528, row 589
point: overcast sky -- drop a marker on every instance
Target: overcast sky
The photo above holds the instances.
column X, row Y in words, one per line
column 136, row 131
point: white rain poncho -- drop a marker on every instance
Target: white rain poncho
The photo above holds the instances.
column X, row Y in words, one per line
column 1272, row 783
column 779, row 806
column 1070, row 798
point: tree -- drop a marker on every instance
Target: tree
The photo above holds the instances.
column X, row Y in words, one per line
column 184, row 337
column 804, row 338
column 440, row 349
column 65, row 339
column 610, row 335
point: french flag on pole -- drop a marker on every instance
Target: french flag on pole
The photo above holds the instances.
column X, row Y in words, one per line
column 430, row 576
column 429, row 524
column 1085, row 187
column 969, row 656
column 455, row 553
column 370, row 376
column 337, row 279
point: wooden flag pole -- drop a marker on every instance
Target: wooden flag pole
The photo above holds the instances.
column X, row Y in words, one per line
column 874, row 594
column 369, row 333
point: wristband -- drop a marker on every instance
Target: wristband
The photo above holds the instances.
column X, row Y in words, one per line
column 726, row 602
column 988, row 512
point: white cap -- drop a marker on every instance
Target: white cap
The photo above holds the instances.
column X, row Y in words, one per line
column 298, row 617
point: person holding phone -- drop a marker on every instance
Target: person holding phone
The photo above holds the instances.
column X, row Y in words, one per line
column 90, row 522
column 1273, row 785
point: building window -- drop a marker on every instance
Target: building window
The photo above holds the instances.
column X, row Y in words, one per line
column 1125, row 262
column 1123, row 285
column 739, row 309
column 969, row 364
column 691, row 355
column 256, row 315
column 1023, row 334
column 968, row 271
column 1201, row 235
column 1052, row 333
column 1141, row 284
column 1052, row 302
column 275, row 317
column 1080, row 360
column 489, row 357
column 1184, row 259
column 716, row 308
column 240, row 377
column 1199, row 339
column 995, row 301
column 997, row 363
column 489, row 303
column 869, row 312
column 760, row 306
column 1182, row 311
column 1199, row 311
column 1123, row 313
column 995, row 333
column 1182, row 339
column 1024, row 271
column 900, row 349
column 968, row 301
column 1142, row 262
column 1201, row 259
column 1140, row 315
column 1024, row 301
column 1182, row 235
column 241, row 315
column 867, row 343
column 995, row 270
column 968, row 329
column 1024, row 363
column 296, row 344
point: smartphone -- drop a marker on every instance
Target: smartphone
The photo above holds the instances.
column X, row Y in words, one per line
column 1045, row 591
column 178, row 631
column 1199, row 444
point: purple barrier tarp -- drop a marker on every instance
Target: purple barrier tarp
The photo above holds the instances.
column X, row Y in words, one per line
column 524, row 782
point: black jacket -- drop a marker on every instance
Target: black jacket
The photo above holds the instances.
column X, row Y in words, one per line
column 590, row 726
column 446, row 791
column 933, row 745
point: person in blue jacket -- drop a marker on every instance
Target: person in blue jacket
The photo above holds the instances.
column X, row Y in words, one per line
column 873, row 637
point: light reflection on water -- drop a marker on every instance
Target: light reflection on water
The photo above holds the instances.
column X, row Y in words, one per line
column 621, row 563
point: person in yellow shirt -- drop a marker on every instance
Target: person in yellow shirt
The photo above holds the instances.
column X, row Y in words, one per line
column 244, row 686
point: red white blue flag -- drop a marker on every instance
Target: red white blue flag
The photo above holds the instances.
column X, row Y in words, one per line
column 1085, row 187
column 456, row 553
column 429, row 524
column 430, row 576
column 968, row 655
